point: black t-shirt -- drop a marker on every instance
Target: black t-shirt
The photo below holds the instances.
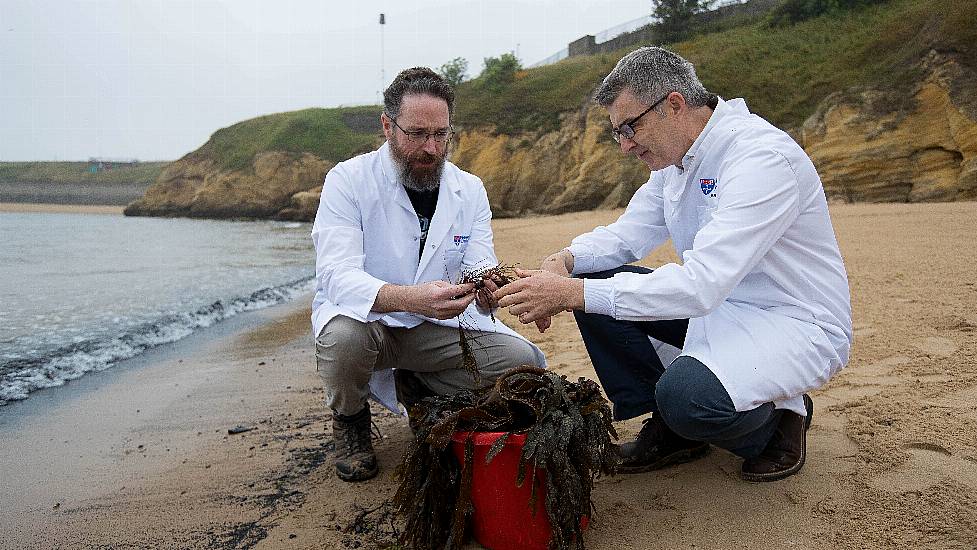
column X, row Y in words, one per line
column 424, row 203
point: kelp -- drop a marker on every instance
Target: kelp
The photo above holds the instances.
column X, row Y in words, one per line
column 568, row 440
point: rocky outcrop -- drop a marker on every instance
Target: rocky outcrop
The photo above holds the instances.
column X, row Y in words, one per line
column 575, row 168
column 273, row 188
column 927, row 151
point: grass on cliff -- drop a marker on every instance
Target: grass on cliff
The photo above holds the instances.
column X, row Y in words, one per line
column 783, row 72
column 143, row 173
column 332, row 134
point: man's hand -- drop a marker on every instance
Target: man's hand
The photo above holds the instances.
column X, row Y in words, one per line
column 485, row 295
column 560, row 263
column 436, row 299
column 442, row 300
column 539, row 295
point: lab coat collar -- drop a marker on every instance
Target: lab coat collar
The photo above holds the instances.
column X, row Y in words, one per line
column 701, row 142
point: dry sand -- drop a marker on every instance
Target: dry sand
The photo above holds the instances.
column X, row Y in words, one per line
column 140, row 456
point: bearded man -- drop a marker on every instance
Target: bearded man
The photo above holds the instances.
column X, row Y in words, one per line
column 394, row 231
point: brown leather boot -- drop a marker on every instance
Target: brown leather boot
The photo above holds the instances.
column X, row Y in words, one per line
column 355, row 459
column 657, row 446
column 785, row 453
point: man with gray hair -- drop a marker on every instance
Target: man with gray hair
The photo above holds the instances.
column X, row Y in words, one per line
column 394, row 231
column 758, row 311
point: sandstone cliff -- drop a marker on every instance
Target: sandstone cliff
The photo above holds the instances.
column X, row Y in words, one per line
column 927, row 151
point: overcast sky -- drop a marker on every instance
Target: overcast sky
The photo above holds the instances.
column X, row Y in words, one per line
column 152, row 79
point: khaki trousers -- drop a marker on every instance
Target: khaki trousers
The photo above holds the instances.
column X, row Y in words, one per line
column 348, row 351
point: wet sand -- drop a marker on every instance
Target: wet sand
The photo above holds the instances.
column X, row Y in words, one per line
column 60, row 208
column 140, row 456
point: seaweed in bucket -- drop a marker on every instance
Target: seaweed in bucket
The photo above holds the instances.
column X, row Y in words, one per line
column 568, row 441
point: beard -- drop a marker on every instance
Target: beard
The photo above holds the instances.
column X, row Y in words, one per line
column 415, row 176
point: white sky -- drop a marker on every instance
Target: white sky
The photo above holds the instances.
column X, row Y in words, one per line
column 152, row 79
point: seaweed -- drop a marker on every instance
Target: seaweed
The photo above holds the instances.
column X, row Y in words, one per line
column 568, row 440
column 500, row 274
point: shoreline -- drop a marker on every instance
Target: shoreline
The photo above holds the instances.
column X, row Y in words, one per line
column 139, row 455
column 154, row 425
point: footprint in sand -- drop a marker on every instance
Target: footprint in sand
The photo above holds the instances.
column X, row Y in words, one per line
column 928, row 465
column 935, row 345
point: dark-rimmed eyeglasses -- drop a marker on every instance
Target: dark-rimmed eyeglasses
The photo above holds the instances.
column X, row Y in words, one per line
column 626, row 129
column 420, row 136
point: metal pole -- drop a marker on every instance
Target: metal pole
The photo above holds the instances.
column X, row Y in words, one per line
column 383, row 78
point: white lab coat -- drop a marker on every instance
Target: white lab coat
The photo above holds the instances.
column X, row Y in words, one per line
column 366, row 234
column 762, row 280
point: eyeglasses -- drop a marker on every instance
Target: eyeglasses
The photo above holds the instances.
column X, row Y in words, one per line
column 420, row 136
column 626, row 129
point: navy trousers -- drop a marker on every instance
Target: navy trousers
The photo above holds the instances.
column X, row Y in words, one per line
column 687, row 395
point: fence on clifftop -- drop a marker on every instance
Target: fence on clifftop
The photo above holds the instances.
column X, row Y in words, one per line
column 642, row 31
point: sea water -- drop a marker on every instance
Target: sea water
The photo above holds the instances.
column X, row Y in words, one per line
column 80, row 292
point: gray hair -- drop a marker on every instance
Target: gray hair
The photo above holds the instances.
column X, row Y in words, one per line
column 651, row 73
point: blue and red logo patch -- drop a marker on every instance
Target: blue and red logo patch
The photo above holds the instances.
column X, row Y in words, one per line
column 461, row 239
column 707, row 186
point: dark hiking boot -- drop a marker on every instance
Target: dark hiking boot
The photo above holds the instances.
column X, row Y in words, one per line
column 785, row 453
column 657, row 446
column 355, row 460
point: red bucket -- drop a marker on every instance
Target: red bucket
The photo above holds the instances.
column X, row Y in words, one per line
column 502, row 519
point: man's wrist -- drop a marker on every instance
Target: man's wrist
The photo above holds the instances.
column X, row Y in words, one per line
column 577, row 295
column 395, row 298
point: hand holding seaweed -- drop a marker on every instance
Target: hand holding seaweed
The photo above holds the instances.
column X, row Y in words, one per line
column 487, row 280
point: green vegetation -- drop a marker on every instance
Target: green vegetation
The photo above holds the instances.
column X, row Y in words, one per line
column 535, row 97
column 77, row 172
column 454, row 71
column 331, row 134
column 499, row 72
column 795, row 11
column 783, row 72
column 675, row 17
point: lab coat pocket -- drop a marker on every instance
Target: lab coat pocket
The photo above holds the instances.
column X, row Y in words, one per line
column 452, row 264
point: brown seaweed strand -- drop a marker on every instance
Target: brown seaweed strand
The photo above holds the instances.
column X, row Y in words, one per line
column 468, row 357
column 463, row 504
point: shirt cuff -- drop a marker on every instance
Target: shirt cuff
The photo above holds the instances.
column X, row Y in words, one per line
column 583, row 260
column 598, row 296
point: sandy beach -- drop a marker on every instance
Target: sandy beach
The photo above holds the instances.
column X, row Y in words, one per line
column 139, row 456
